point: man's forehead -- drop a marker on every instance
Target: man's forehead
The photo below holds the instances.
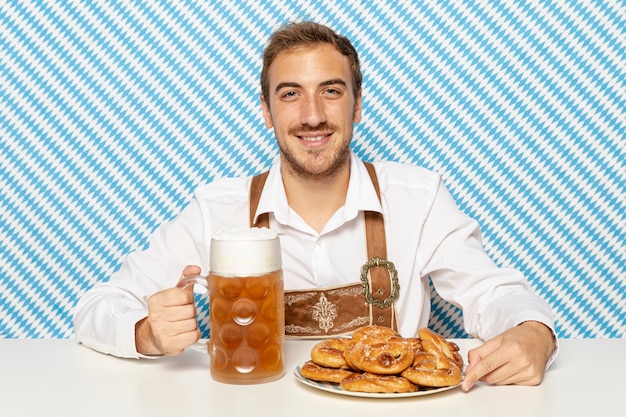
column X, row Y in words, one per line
column 320, row 61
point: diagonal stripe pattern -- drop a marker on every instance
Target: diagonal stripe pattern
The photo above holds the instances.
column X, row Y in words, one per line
column 112, row 112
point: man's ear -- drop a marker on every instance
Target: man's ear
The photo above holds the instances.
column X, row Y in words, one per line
column 358, row 105
column 267, row 115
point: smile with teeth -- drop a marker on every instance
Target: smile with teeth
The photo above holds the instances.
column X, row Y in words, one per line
column 313, row 138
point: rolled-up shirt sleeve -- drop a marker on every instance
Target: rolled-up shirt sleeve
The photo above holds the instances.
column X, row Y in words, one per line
column 105, row 317
column 492, row 299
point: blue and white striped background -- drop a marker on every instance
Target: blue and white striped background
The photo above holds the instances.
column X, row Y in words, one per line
column 112, row 112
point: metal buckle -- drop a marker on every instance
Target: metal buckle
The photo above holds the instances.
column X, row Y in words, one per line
column 395, row 286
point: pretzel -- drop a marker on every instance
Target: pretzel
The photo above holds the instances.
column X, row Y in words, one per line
column 367, row 382
column 438, row 365
column 378, row 359
column 435, row 343
column 373, row 331
column 415, row 343
column 436, row 372
column 388, row 357
column 330, row 353
column 458, row 359
column 313, row 371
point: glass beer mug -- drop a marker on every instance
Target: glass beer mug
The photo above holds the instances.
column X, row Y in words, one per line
column 246, row 306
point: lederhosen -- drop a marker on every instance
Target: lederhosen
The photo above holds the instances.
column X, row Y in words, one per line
column 328, row 312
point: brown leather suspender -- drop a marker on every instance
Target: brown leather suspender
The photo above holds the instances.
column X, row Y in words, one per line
column 256, row 188
column 382, row 273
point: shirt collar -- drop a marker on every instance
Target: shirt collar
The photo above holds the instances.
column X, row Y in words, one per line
column 361, row 194
column 273, row 198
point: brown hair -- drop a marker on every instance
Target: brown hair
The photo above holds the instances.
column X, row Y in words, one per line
column 293, row 35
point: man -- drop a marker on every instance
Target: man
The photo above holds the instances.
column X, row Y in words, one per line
column 321, row 198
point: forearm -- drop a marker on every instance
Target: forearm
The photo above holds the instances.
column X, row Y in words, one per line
column 110, row 316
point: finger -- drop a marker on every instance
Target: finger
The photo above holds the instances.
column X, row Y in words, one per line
column 498, row 369
column 187, row 326
column 168, row 329
column 191, row 270
column 171, row 297
column 473, row 375
column 174, row 345
column 469, row 380
column 181, row 327
column 474, row 357
column 481, row 366
column 482, row 351
column 501, row 375
column 513, row 373
column 189, row 277
column 173, row 314
column 173, row 336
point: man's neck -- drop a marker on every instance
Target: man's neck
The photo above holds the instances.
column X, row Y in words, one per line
column 316, row 200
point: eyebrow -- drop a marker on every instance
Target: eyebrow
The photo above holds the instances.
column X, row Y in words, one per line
column 334, row 81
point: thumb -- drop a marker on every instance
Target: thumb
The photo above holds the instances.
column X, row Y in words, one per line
column 190, row 276
column 191, row 270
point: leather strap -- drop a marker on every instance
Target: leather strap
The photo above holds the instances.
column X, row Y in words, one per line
column 256, row 188
column 380, row 280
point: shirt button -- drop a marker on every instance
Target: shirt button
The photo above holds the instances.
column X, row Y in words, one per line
column 381, row 319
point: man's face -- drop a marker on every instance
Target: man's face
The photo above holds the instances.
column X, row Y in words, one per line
column 312, row 109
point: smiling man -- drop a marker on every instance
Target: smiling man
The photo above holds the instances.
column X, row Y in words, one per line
column 334, row 214
column 312, row 105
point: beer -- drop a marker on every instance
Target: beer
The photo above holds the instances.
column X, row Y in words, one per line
column 246, row 303
column 247, row 327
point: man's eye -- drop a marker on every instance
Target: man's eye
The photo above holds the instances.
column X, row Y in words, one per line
column 333, row 92
column 289, row 95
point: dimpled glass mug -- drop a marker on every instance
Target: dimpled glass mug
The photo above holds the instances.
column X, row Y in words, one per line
column 246, row 306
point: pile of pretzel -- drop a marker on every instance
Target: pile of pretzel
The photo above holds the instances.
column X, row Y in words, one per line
column 378, row 360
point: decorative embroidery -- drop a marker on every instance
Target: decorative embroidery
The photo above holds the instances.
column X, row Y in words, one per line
column 357, row 322
column 324, row 312
column 294, row 329
column 347, row 292
column 297, row 297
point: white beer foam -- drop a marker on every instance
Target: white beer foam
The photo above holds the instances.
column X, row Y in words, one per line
column 245, row 252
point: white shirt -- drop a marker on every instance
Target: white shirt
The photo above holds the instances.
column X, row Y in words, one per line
column 427, row 235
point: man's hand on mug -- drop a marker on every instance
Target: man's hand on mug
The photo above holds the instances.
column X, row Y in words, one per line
column 171, row 325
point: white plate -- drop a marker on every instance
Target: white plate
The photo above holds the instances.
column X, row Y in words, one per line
column 335, row 389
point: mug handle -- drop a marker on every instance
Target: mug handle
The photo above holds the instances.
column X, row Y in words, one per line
column 191, row 280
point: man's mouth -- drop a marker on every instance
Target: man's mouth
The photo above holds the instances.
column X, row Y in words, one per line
column 316, row 138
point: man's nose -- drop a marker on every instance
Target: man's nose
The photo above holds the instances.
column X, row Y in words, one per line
column 312, row 112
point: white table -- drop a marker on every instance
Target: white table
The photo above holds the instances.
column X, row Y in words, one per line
column 61, row 378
